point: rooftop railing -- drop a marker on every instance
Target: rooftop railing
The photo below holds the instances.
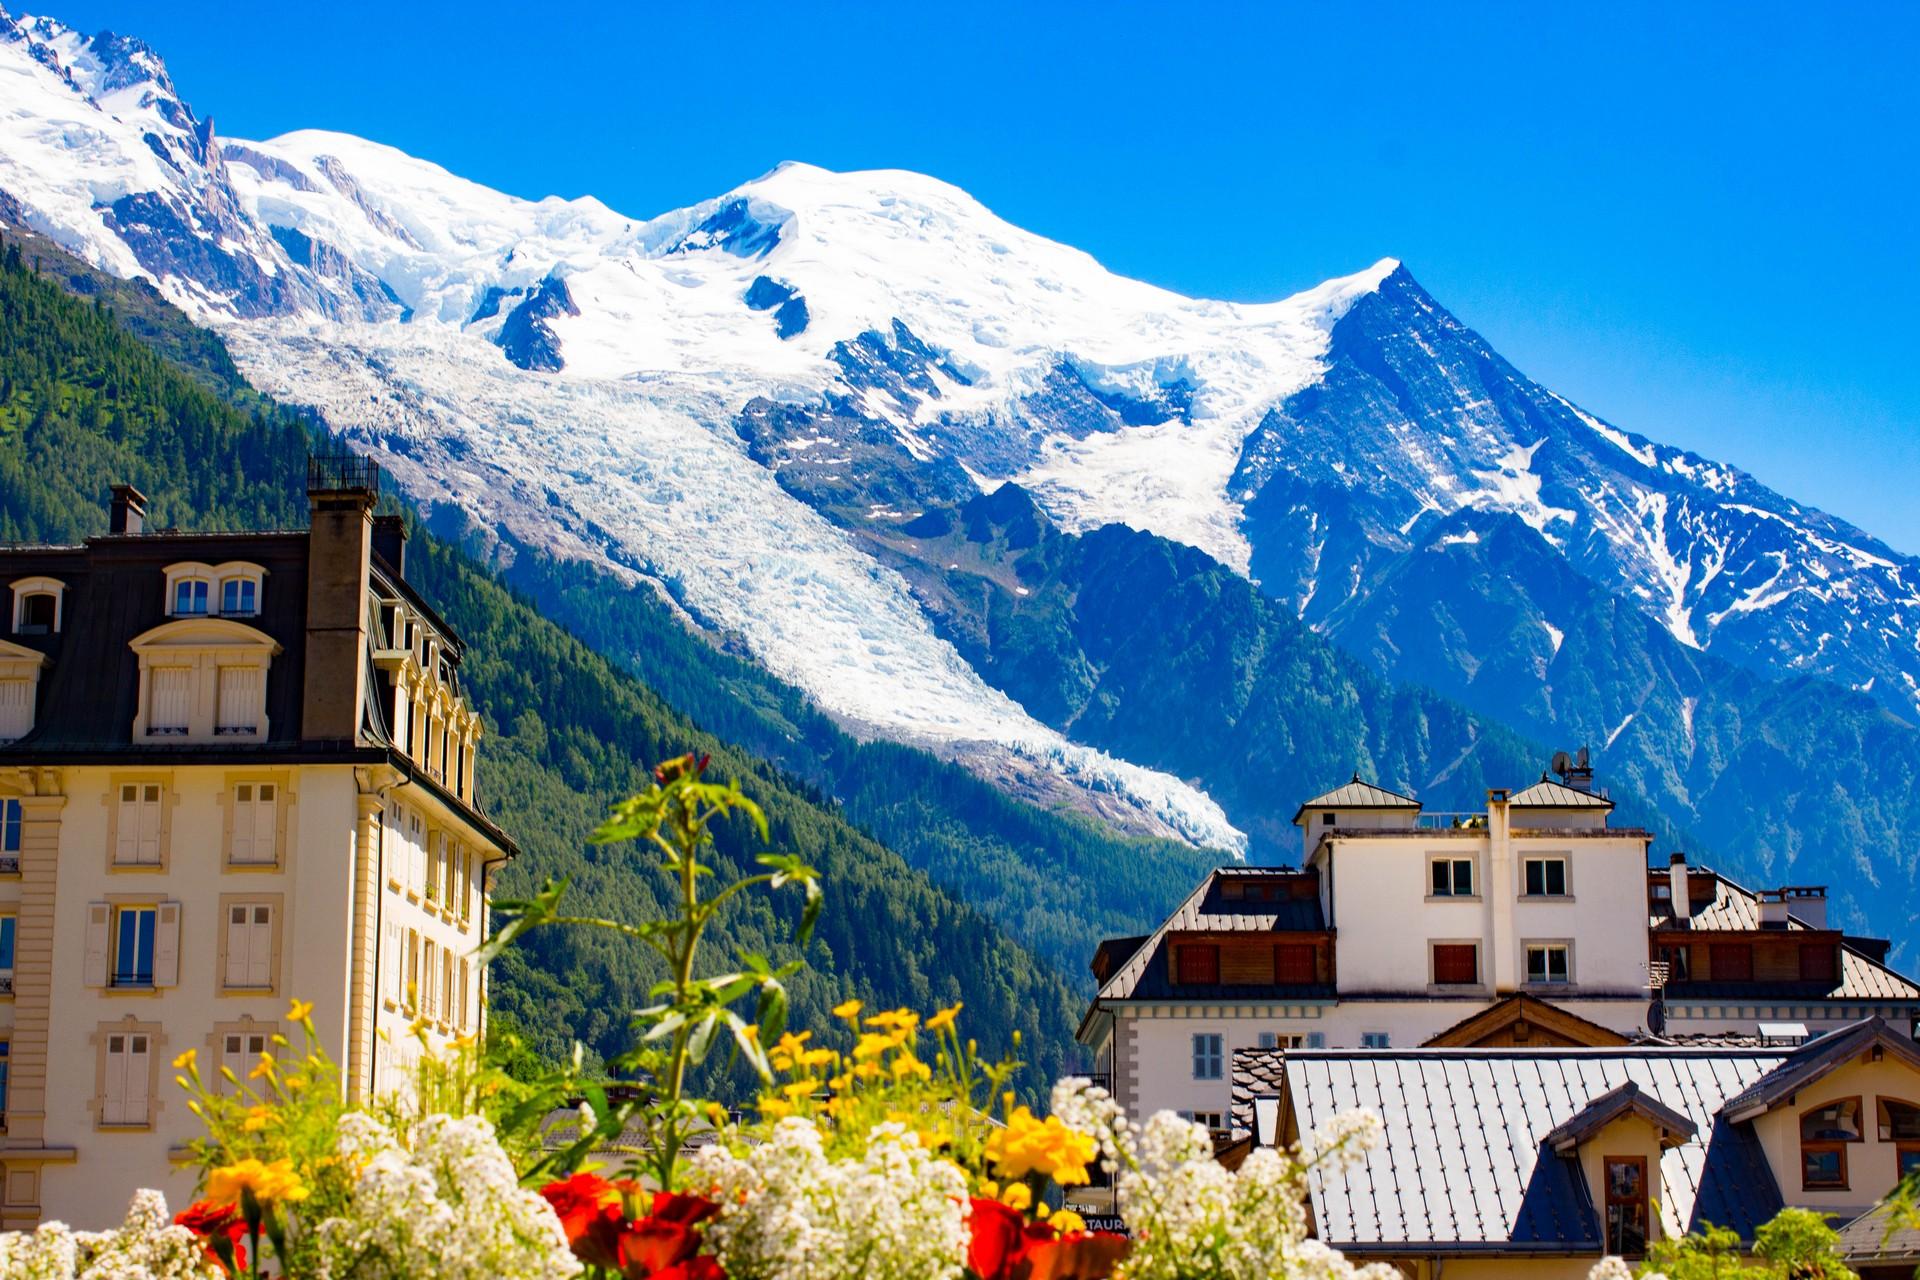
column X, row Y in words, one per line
column 335, row 472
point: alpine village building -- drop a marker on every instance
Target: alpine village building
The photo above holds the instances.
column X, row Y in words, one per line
column 235, row 769
column 1573, row 1052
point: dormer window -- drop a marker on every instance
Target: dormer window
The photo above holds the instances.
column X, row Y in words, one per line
column 37, row 606
column 203, row 679
column 189, row 597
column 231, row 590
column 239, row 597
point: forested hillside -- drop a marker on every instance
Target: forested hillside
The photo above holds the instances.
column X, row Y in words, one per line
column 83, row 404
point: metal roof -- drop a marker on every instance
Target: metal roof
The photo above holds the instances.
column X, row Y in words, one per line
column 1817, row 1058
column 1623, row 1099
column 1464, row 1164
column 1357, row 795
column 1873, row 1239
column 1548, row 794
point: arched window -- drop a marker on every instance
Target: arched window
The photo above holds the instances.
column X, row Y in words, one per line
column 1825, row 1132
column 38, row 606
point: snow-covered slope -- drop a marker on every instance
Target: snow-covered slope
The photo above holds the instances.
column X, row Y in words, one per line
column 572, row 378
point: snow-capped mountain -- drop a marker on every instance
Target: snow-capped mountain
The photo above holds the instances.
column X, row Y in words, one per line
column 598, row 386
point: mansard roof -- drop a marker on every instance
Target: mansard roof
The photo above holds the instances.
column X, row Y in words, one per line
column 1143, row 974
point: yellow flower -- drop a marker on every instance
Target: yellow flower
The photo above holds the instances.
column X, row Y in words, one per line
column 774, row 1108
column 299, row 1010
column 944, row 1018
column 1018, row 1196
column 262, row 1068
column 873, row 1044
column 989, row 1189
column 800, row 1088
column 268, row 1182
column 257, row 1119
column 904, row 1066
column 185, row 1061
column 1067, row 1220
column 849, row 1010
column 1046, row 1147
column 898, row 1019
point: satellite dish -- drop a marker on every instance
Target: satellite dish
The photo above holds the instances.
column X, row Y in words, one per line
column 1561, row 763
column 1583, row 757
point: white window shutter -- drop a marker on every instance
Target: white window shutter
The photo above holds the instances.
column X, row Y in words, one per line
column 172, row 699
column 16, row 709
column 98, row 916
column 260, row 946
column 139, row 1058
column 113, row 1101
column 243, row 822
column 126, row 840
column 148, row 849
column 166, row 945
column 266, row 822
column 239, row 707
column 238, row 937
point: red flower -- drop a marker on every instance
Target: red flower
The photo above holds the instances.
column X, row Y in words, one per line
column 590, row 1212
column 664, row 1243
column 1005, row 1246
column 223, row 1229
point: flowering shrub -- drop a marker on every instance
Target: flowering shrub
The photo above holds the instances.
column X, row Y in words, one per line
column 147, row 1245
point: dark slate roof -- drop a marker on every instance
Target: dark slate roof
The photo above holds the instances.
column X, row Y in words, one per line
column 1867, row 1241
column 1357, row 795
column 1817, row 1058
column 1257, row 1073
column 1464, row 1164
column 1622, row 1099
column 1207, row 910
column 1548, row 794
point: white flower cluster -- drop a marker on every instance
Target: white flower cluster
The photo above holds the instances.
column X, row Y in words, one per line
column 445, row 1204
column 790, row 1213
column 1191, row 1216
column 147, row 1246
column 1612, row 1268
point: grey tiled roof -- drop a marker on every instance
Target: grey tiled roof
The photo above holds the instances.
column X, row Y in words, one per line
column 1357, row 795
column 1547, row 794
column 1464, row 1163
column 1866, row 1240
column 1257, row 1073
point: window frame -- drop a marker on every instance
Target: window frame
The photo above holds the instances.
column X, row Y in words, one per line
column 9, row 947
column 1548, row 946
column 25, row 589
column 1434, row 948
column 1883, row 1126
column 1825, row 1146
column 1376, row 1040
column 1209, row 1055
column 1452, row 863
column 13, row 825
column 120, row 978
column 1642, row 1203
column 163, row 818
column 102, row 1039
column 252, row 903
column 1563, row 861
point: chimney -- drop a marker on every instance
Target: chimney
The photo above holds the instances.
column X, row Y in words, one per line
column 127, row 513
column 1773, row 909
column 1498, row 889
column 390, row 542
column 1677, row 880
column 1810, row 904
column 341, row 492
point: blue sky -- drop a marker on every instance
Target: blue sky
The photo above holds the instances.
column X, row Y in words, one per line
column 1696, row 222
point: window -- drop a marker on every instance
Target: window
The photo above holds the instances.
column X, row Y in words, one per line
column 5, row 1052
column 450, row 871
column 466, row 884
column 8, row 925
column 1732, row 962
column 241, row 1051
column 1546, row 877
column 129, row 1071
column 1456, row 964
column 1816, row 964
column 1211, row 1119
column 249, row 946
column 429, row 979
column 133, row 945
column 1906, row 1157
column 239, row 701
column 1825, row 1132
column 1547, row 962
column 465, row 977
column 1899, row 1121
column 1199, row 962
column 1627, row 1196
column 137, row 833
column 239, row 597
column 1286, row 1040
column 1452, row 877
column 16, row 707
column 412, row 997
column 170, row 698
column 1293, row 962
column 256, row 823
column 1375, row 1040
column 189, row 597
column 448, row 1013
column 10, row 827
column 37, row 613
column 1326, row 819
column 1678, row 961
column 1209, row 1059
